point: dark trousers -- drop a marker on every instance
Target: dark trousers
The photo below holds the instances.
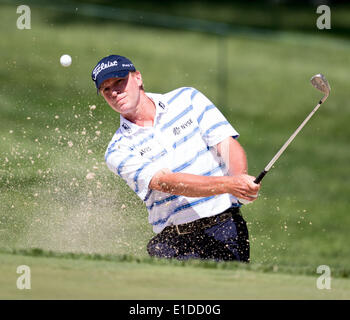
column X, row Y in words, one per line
column 224, row 241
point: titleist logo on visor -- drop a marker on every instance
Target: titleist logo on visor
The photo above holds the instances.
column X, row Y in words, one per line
column 103, row 66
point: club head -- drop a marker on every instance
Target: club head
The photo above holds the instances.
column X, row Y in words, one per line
column 320, row 83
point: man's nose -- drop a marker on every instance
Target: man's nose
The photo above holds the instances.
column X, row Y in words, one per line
column 115, row 93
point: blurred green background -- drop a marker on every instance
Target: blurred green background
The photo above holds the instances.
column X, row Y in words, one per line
column 253, row 61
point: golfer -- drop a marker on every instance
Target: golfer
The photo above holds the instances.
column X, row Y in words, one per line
column 180, row 155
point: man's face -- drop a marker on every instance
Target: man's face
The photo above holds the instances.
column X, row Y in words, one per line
column 123, row 94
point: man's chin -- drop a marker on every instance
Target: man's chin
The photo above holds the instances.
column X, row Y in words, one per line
column 124, row 108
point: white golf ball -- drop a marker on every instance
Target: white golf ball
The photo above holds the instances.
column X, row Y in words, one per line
column 66, row 60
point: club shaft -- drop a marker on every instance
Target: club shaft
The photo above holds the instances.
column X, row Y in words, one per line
column 291, row 138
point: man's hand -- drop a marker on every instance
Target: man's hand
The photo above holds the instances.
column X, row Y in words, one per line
column 243, row 187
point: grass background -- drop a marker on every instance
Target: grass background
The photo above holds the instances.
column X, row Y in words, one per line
column 52, row 136
column 81, row 276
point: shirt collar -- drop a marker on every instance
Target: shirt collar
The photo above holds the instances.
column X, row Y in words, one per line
column 161, row 105
column 129, row 127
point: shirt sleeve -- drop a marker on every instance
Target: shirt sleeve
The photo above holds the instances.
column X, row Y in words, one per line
column 135, row 170
column 214, row 127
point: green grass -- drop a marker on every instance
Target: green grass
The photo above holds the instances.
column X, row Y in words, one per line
column 51, row 138
column 91, row 277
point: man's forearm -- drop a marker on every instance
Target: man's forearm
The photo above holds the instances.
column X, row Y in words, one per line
column 189, row 185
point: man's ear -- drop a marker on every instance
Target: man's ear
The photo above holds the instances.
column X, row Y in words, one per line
column 138, row 77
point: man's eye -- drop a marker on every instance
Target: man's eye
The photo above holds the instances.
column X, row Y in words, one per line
column 106, row 89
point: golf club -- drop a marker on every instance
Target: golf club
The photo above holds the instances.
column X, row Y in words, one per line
column 320, row 83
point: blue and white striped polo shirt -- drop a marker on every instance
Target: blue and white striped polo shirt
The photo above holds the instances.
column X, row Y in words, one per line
column 186, row 127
